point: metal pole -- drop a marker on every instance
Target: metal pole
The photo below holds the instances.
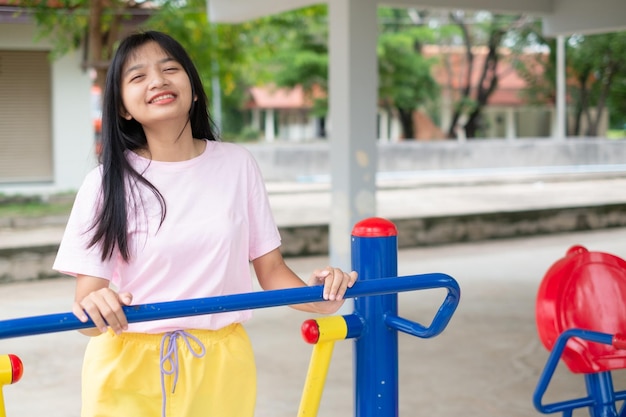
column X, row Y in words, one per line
column 28, row 326
column 216, row 92
column 375, row 256
column 560, row 131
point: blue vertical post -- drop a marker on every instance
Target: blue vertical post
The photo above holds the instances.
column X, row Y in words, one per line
column 375, row 255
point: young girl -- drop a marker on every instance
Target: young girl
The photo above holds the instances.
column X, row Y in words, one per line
column 171, row 213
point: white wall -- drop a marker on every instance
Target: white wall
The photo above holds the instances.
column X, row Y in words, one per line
column 73, row 135
column 72, row 132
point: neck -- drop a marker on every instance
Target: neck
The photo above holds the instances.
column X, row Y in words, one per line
column 170, row 144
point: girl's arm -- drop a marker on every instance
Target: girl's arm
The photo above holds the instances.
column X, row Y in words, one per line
column 273, row 273
column 94, row 299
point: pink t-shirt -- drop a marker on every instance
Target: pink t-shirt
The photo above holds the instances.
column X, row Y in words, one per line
column 218, row 219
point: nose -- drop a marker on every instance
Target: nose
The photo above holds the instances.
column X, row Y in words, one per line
column 157, row 80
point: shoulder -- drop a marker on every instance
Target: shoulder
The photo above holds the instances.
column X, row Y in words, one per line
column 232, row 149
column 235, row 154
column 93, row 179
column 89, row 193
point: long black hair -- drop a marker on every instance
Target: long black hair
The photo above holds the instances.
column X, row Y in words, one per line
column 120, row 135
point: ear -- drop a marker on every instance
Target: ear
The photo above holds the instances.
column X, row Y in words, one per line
column 195, row 98
column 126, row 115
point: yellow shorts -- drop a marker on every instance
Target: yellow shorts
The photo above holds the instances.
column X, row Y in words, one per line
column 133, row 375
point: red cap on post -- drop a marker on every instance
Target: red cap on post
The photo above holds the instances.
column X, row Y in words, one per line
column 16, row 367
column 374, row 227
column 310, row 331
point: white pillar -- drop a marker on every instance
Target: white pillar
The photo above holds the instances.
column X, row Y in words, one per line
column 395, row 129
column 511, row 129
column 353, row 76
column 270, row 134
column 560, row 89
column 383, row 125
column 256, row 119
column 446, row 110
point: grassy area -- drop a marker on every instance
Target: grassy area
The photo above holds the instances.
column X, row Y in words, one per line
column 35, row 206
column 616, row 134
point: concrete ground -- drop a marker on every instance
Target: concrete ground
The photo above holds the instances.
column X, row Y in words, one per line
column 485, row 364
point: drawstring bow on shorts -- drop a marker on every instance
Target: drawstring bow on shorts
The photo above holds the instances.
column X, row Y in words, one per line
column 169, row 354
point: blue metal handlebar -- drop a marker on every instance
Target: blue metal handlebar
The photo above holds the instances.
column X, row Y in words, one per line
column 555, row 355
column 442, row 317
column 29, row 326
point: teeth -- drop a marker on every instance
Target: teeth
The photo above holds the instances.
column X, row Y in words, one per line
column 164, row 97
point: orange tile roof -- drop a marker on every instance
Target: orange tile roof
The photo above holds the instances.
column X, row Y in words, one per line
column 277, row 98
column 271, row 97
column 451, row 72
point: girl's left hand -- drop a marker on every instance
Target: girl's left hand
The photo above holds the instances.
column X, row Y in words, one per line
column 336, row 282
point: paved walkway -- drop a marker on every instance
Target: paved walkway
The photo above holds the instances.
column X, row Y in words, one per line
column 485, row 364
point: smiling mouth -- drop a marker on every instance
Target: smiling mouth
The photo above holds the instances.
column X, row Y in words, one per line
column 163, row 97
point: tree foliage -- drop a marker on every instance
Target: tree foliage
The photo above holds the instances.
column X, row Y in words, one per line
column 488, row 31
column 595, row 76
column 292, row 50
column 405, row 80
column 597, row 62
column 298, row 41
column 93, row 25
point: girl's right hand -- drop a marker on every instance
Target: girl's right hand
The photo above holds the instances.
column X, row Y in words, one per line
column 102, row 305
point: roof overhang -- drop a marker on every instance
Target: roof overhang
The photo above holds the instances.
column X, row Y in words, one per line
column 560, row 16
column 585, row 16
column 234, row 11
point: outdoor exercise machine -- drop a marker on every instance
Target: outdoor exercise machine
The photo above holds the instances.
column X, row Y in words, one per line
column 373, row 324
column 580, row 314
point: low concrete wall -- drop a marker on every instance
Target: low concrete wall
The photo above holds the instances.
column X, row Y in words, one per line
column 297, row 162
column 31, row 263
column 27, row 264
column 430, row 231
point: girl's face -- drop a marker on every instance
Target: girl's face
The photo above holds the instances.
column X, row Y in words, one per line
column 155, row 87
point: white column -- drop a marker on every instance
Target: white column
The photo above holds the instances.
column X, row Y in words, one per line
column 446, row 110
column 511, row 129
column 560, row 89
column 256, row 119
column 383, row 125
column 270, row 134
column 395, row 129
column 353, row 91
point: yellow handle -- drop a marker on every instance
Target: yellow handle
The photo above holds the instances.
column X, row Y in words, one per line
column 315, row 379
column 6, row 370
column 330, row 329
column 10, row 372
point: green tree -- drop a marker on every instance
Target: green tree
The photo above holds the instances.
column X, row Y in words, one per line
column 405, row 80
column 597, row 62
column 405, row 76
column 596, row 76
column 297, row 54
column 93, row 25
column 292, row 48
column 489, row 31
column 617, row 103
